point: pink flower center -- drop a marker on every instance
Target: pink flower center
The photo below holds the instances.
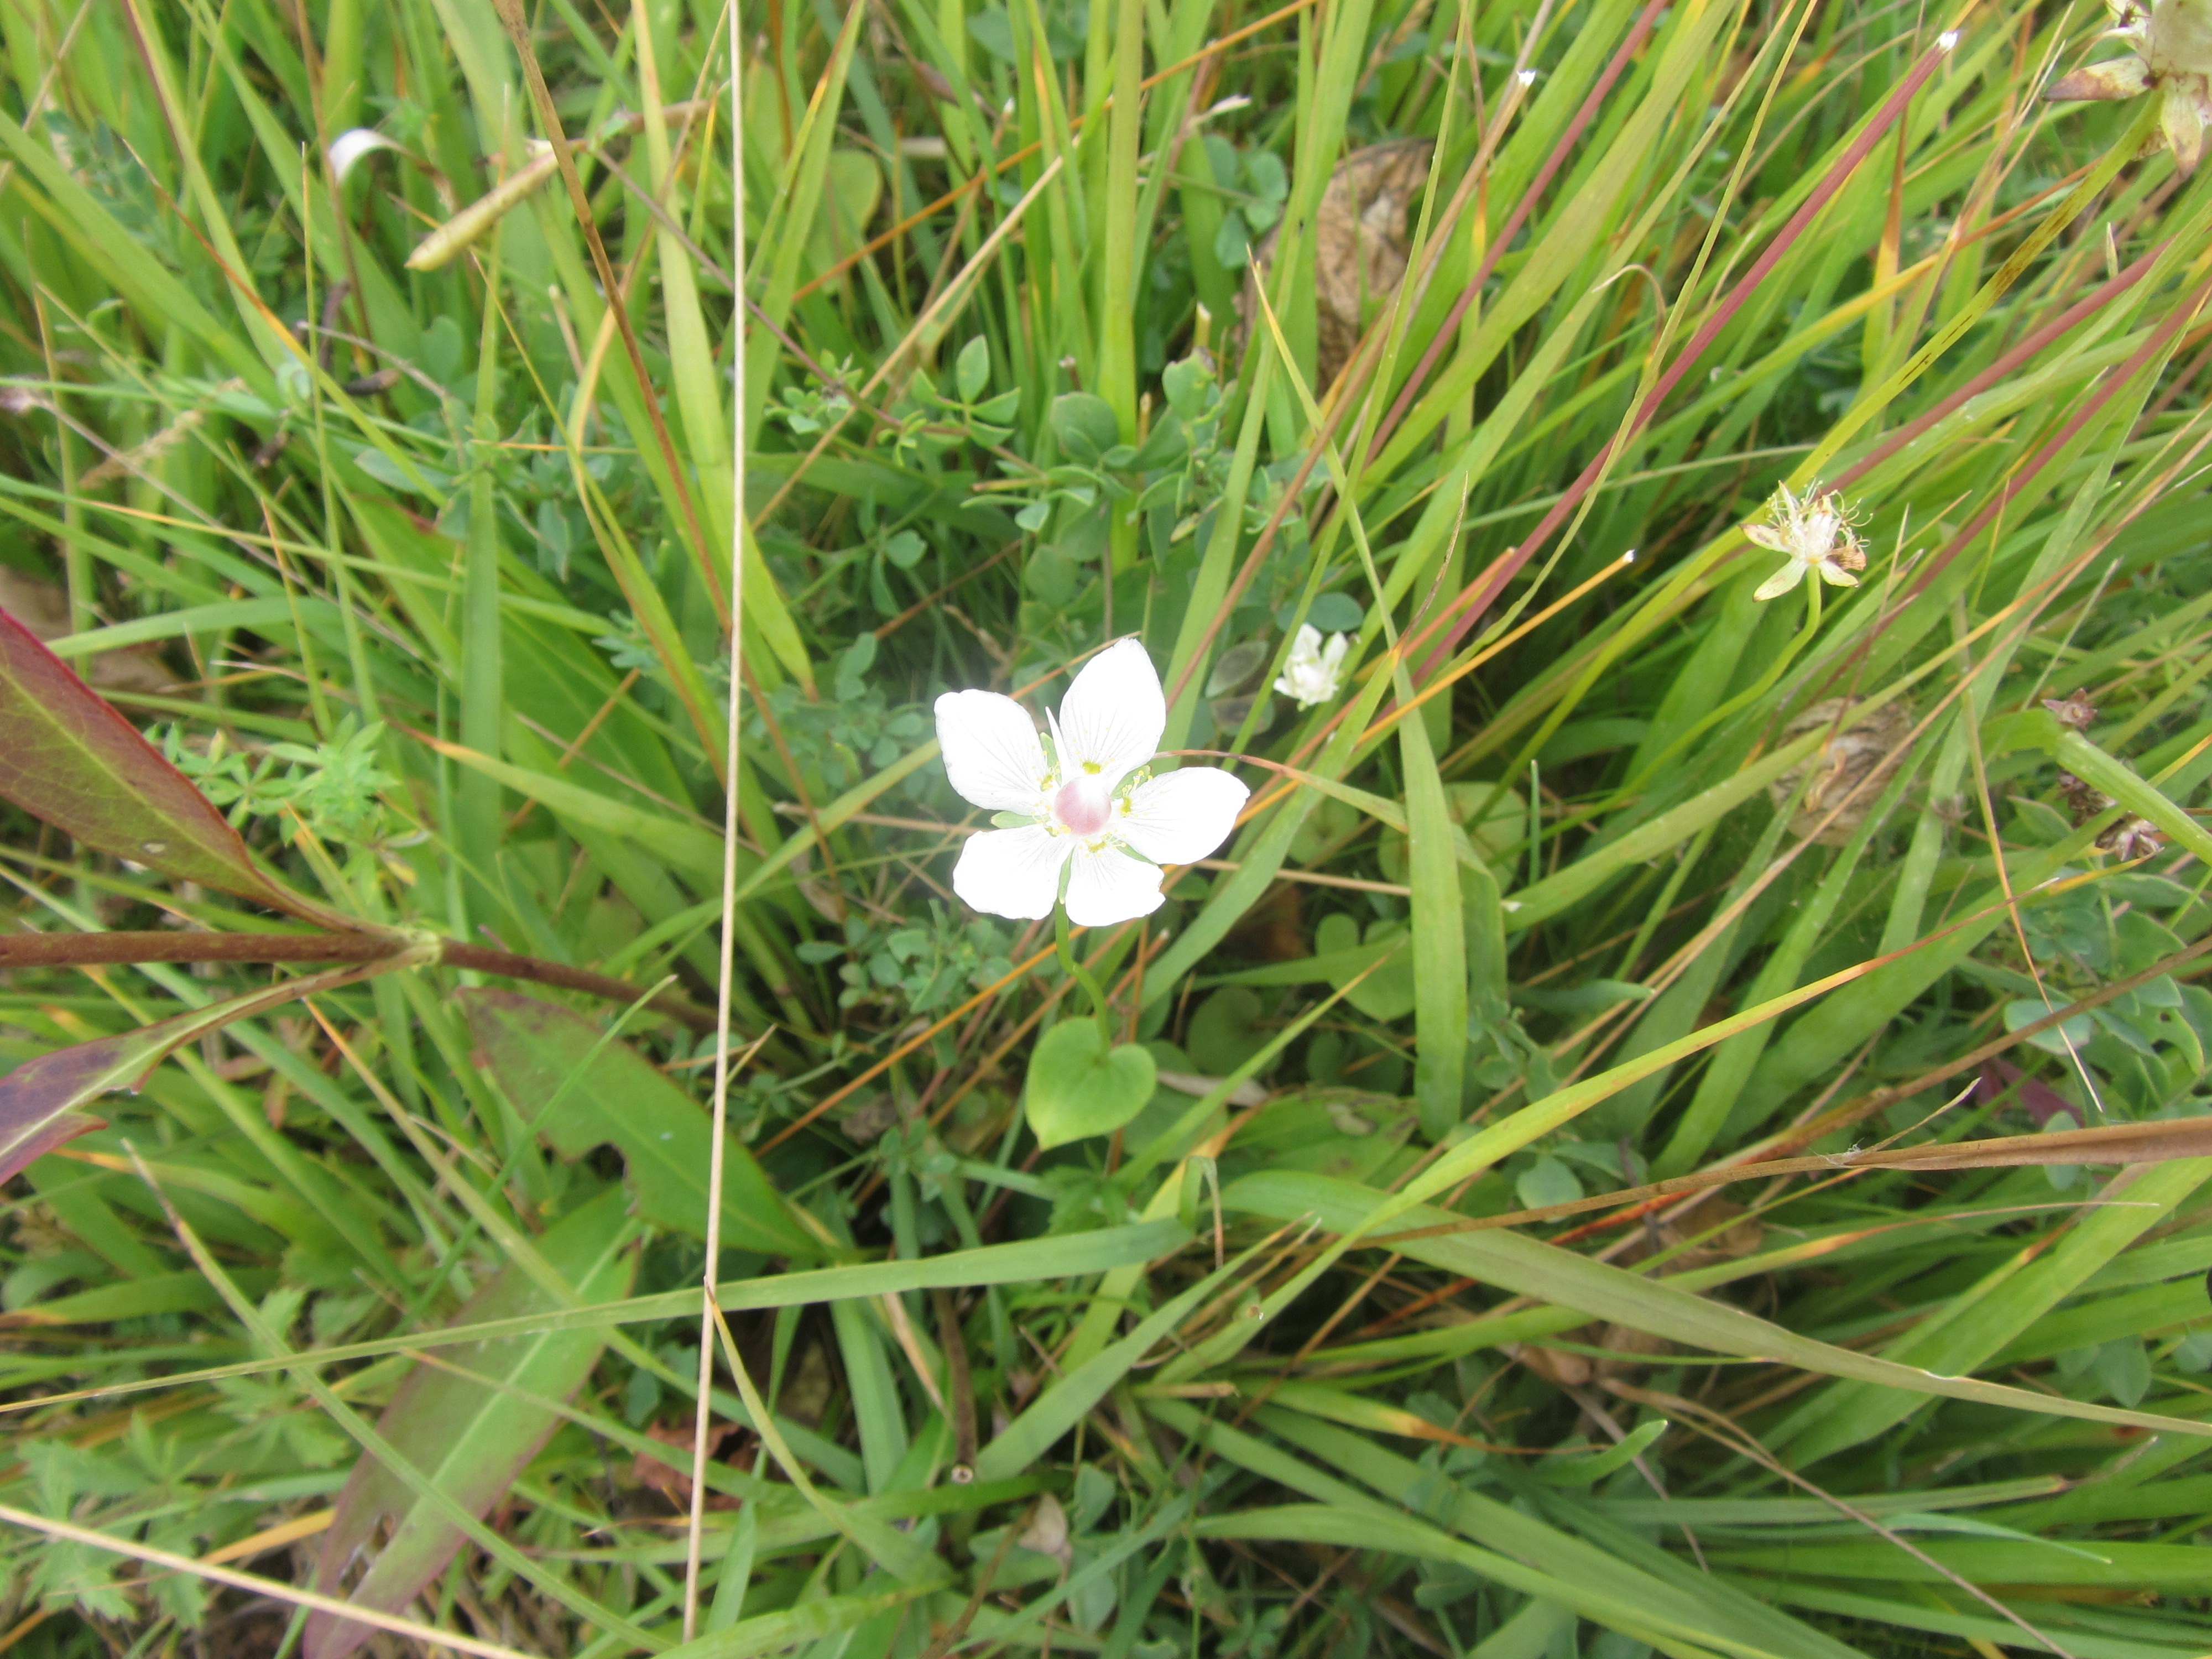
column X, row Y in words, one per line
column 1083, row 806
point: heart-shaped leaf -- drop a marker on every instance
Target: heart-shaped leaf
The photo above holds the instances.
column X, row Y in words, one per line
column 1385, row 994
column 73, row 761
column 1078, row 1087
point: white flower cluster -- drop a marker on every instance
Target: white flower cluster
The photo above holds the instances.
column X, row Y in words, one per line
column 1314, row 670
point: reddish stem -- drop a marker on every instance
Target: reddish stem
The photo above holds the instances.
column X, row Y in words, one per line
column 1476, row 597
column 1447, row 329
column 2096, row 300
column 94, row 950
column 2160, row 340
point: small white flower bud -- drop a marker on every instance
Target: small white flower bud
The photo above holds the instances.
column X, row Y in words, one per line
column 350, row 146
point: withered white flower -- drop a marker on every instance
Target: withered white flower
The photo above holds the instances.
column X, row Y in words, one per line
column 1091, row 808
column 1311, row 674
column 350, row 146
column 2173, row 57
column 1815, row 531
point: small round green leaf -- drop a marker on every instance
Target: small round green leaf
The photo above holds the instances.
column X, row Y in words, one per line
column 1078, row 1087
column 1085, row 425
column 973, row 370
column 1547, row 1182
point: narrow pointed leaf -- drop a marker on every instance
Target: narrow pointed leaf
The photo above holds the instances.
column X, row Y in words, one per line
column 1602, row 1291
column 462, row 1423
column 581, row 1092
column 40, row 1100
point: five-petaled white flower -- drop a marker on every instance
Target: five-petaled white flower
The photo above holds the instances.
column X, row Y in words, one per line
column 1088, row 805
column 2172, row 58
column 1310, row 676
column 1815, row 531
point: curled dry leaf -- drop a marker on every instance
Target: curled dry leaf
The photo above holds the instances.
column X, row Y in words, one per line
column 1555, row 1365
column 1047, row 1532
column 672, row 1482
column 1359, row 246
column 1850, row 769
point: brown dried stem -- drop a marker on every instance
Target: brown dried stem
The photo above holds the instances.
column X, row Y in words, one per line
column 97, row 950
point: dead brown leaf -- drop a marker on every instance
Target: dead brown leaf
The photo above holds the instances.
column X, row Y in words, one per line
column 675, row 1483
column 1359, row 246
column 1853, row 764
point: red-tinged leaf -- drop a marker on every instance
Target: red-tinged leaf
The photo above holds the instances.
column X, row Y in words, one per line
column 464, row 1427
column 583, row 1092
column 68, row 757
column 41, row 1098
column 2042, row 1101
column 57, row 1130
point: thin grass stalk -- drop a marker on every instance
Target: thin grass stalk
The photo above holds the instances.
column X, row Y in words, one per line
column 274, row 1588
column 710, row 1273
column 1468, row 609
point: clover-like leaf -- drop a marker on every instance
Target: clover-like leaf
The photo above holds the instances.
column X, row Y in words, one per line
column 973, row 369
column 1085, row 424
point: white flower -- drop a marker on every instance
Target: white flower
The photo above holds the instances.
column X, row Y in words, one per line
column 2173, row 43
column 1087, row 808
column 350, row 146
column 1310, row 676
column 1816, row 533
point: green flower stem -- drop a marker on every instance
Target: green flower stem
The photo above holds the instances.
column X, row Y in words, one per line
column 1079, row 974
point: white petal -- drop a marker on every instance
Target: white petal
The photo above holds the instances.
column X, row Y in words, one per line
column 1781, row 581
column 991, row 752
column 1767, row 536
column 2184, row 124
column 1106, row 885
column 1113, row 715
column 2120, row 78
column 350, row 146
column 1835, row 576
column 1181, row 817
column 1013, row 872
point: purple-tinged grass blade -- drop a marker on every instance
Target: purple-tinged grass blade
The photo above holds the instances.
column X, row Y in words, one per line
column 40, row 1100
column 465, row 1425
column 68, row 757
column 582, row 1091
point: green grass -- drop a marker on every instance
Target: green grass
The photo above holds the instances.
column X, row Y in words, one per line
column 424, row 577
